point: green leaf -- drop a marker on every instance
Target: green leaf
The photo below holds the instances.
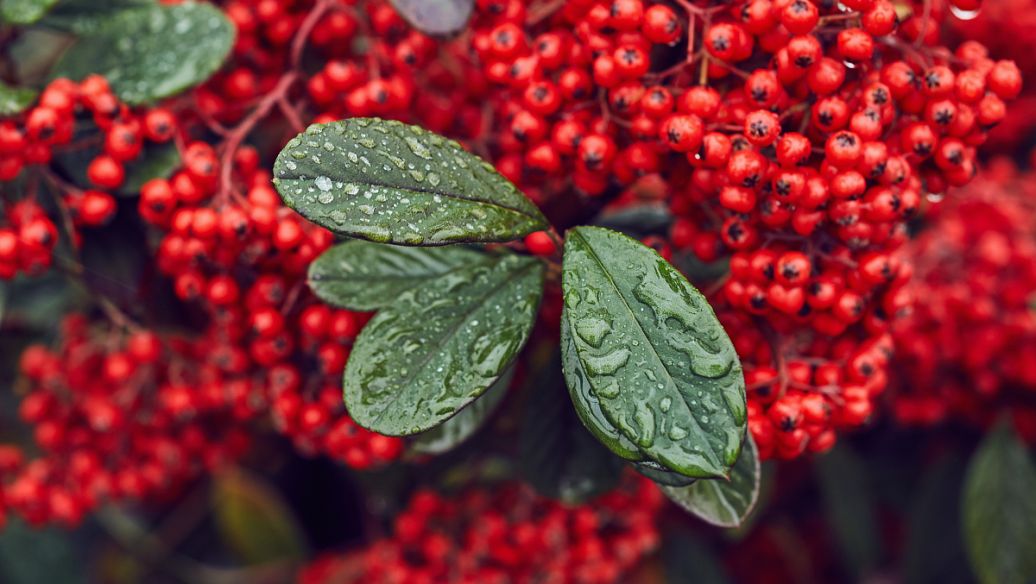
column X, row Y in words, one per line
column 435, row 17
column 361, row 275
column 557, row 456
column 850, row 510
column 30, row 555
column 393, row 183
column 152, row 53
column 687, row 559
column 720, row 502
column 254, row 520
column 933, row 550
column 15, row 100
column 24, row 11
column 661, row 474
column 441, row 345
column 1000, row 509
column 649, row 367
column 87, row 16
column 466, row 422
column 156, row 161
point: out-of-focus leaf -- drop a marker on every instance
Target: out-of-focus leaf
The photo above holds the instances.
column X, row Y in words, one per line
column 37, row 556
column 15, row 100
column 24, row 11
column 152, row 53
column 637, row 221
column 436, row 17
column 688, row 561
column 850, row 510
column 86, row 16
column 934, row 548
column 254, row 520
column 1000, row 509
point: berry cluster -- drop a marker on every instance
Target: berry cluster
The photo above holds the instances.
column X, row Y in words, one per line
column 117, row 417
column 50, row 126
column 507, row 534
column 244, row 259
column 794, row 137
column 967, row 350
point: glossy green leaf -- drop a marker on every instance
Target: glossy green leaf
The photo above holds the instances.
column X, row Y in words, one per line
column 721, row 502
column 24, row 11
column 557, row 456
column 1000, row 509
column 15, row 100
column 254, row 519
column 441, row 345
column 649, row 367
column 152, row 53
column 435, row 17
column 361, row 275
column 390, row 182
column 466, row 422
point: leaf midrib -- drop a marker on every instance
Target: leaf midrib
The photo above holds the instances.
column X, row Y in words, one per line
column 647, row 338
column 450, row 333
column 529, row 214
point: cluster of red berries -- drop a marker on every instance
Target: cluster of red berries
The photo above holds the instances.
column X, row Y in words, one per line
column 967, row 350
column 244, row 259
column 31, row 139
column 112, row 416
column 794, row 137
column 506, row 534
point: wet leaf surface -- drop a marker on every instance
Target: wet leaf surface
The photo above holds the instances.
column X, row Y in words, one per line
column 468, row 421
column 441, row 345
column 719, row 502
column 360, row 275
column 650, row 369
column 390, row 182
column 153, row 52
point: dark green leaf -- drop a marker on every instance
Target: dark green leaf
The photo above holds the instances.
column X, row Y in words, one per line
column 661, row 474
column 361, row 275
column 254, row 519
column 156, row 161
column 466, row 422
column 392, row 183
column 850, row 509
column 720, row 502
column 934, row 547
column 638, row 221
column 1000, row 509
column 24, row 11
column 688, row 560
column 15, row 100
column 35, row 555
column 3, row 300
column 152, row 53
column 87, row 16
column 557, row 456
column 650, row 369
column 441, row 345
column 436, row 17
